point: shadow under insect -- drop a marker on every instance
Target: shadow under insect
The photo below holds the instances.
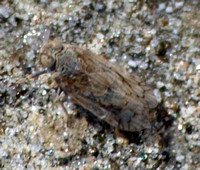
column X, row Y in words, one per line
column 106, row 91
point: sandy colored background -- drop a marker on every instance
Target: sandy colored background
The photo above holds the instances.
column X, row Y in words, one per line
column 158, row 40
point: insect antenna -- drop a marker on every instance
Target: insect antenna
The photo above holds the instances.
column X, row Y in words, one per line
column 38, row 73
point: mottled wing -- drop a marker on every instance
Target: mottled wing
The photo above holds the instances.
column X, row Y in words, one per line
column 110, row 93
column 83, row 99
column 126, row 98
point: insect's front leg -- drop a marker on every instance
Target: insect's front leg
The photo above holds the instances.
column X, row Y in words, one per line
column 67, row 107
column 60, row 97
column 63, row 97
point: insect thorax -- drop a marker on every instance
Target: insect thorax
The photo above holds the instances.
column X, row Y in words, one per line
column 67, row 63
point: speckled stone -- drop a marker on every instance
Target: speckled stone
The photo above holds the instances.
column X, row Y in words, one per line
column 158, row 40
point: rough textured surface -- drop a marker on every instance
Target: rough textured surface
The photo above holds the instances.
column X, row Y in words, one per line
column 159, row 40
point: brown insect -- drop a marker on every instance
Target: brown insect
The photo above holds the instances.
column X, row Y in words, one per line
column 103, row 88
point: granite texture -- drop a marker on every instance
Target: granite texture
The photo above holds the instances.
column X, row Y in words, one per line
column 158, row 40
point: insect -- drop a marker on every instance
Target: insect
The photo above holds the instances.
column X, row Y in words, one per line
column 103, row 88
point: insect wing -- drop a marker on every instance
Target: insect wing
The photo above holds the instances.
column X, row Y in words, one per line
column 110, row 93
column 86, row 102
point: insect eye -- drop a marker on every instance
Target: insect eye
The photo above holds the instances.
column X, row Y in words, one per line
column 47, row 60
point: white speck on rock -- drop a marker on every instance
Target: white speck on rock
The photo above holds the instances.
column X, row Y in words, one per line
column 169, row 9
column 179, row 4
column 161, row 6
column 132, row 63
column 4, row 11
column 160, row 84
column 180, row 158
column 157, row 95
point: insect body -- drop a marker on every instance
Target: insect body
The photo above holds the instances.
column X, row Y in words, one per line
column 105, row 89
